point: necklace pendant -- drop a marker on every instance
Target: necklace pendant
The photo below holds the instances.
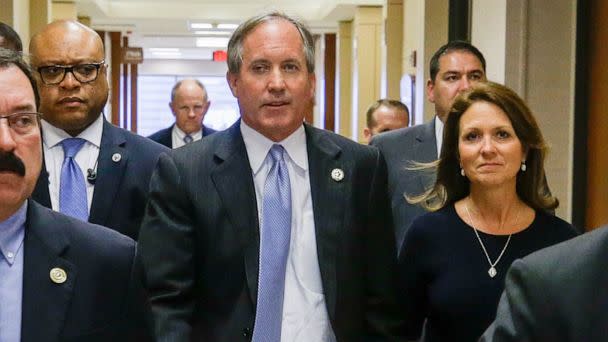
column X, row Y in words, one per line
column 492, row 272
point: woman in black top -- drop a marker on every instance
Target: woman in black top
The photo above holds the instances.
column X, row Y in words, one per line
column 489, row 203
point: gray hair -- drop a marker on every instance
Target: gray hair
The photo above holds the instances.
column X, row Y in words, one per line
column 235, row 45
column 179, row 84
column 10, row 57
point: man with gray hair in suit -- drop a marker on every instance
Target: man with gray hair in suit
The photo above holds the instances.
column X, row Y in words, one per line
column 189, row 104
column 271, row 230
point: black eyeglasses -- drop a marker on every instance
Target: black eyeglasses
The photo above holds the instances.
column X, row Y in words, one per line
column 22, row 123
column 83, row 73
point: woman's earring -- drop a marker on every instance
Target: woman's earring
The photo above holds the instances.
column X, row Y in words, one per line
column 462, row 172
column 523, row 166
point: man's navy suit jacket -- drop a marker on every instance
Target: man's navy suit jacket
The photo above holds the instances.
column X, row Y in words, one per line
column 203, row 213
column 164, row 135
column 121, row 187
column 101, row 299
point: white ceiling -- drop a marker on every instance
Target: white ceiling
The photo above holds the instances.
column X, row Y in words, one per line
column 165, row 24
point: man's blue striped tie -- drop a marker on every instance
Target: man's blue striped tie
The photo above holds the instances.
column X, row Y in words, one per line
column 72, row 188
column 275, row 236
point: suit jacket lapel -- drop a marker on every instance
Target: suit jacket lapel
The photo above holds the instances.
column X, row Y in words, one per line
column 425, row 152
column 328, row 205
column 234, row 183
column 112, row 161
column 45, row 303
column 41, row 192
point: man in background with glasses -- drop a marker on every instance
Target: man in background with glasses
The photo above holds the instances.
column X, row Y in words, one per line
column 93, row 171
column 51, row 266
column 189, row 104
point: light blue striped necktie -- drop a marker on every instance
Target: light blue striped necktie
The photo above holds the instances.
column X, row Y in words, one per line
column 72, row 188
column 274, row 247
column 188, row 139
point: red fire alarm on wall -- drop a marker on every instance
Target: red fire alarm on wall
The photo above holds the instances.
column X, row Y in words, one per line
column 220, row 56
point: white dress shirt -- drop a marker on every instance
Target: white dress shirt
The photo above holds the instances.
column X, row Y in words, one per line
column 438, row 134
column 177, row 136
column 86, row 158
column 305, row 315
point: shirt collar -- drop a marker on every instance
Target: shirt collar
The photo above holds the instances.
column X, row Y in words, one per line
column 181, row 134
column 11, row 232
column 53, row 135
column 258, row 146
column 438, row 134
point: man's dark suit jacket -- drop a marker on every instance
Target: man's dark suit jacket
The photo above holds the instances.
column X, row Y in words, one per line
column 121, row 187
column 102, row 298
column 164, row 135
column 199, row 241
column 400, row 147
column 557, row 294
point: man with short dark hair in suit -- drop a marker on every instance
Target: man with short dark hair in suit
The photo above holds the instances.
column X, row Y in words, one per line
column 559, row 293
column 61, row 279
column 453, row 68
column 189, row 104
column 272, row 229
column 78, row 141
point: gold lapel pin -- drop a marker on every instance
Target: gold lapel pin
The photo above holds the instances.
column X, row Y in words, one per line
column 337, row 175
column 58, row 275
column 116, row 157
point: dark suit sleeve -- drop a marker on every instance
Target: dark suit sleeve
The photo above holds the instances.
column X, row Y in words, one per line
column 382, row 310
column 526, row 308
column 167, row 252
column 138, row 314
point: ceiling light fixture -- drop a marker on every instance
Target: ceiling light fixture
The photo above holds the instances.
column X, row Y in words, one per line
column 215, row 42
column 227, row 26
column 154, row 50
column 198, row 26
column 213, row 33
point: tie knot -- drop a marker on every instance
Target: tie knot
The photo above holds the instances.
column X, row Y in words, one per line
column 188, row 139
column 276, row 152
column 71, row 146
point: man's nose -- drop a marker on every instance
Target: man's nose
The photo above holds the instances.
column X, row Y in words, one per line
column 277, row 81
column 69, row 80
column 7, row 141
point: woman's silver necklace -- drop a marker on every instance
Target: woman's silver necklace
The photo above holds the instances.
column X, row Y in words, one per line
column 492, row 270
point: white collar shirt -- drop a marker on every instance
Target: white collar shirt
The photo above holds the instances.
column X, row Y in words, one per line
column 177, row 136
column 86, row 158
column 438, row 134
column 305, row 315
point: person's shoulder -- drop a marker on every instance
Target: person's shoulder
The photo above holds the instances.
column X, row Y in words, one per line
column 326, row 138
column 555, row 224
column 142, row 146
column 572, row 255
column 399, row 136
column 434, row 222
column 89, row 238
column 158, row 135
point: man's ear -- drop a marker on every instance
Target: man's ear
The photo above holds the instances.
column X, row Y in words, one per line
column 171, row 107
column 232, row 83
column 430, row 86
column 206, row 107
column 367, row 134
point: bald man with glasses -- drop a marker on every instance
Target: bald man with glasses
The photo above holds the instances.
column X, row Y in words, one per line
column 92, row 170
